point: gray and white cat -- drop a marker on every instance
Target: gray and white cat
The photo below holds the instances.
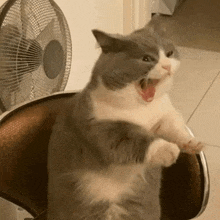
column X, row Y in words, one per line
column 110, row 143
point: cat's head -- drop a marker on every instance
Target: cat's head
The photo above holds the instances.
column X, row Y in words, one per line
column 143, row 60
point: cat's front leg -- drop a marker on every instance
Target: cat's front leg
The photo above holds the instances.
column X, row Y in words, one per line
column 162, row 153
column 172, row 128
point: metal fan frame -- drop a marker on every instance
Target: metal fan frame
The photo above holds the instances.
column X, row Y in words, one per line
column 4, row 12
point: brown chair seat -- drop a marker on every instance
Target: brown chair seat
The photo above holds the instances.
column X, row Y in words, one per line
column 24, row 137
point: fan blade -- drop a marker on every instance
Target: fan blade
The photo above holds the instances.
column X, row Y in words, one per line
column 47, row 34
column 24, row 17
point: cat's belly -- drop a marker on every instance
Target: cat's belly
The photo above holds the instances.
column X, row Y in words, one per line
column 113, row 183
column 146, row 116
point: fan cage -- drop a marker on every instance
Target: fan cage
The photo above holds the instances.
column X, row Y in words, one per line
column 34, row 23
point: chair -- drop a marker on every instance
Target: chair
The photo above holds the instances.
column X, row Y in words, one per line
column 24, row 138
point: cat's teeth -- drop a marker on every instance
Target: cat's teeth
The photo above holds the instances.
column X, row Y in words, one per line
column 143, row 83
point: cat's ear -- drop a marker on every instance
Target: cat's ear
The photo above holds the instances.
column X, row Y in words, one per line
column 155, row 25
column 107, row 42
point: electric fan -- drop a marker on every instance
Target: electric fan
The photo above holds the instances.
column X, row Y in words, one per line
column 35, row 51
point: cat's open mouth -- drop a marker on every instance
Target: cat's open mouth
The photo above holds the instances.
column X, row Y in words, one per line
column 147, row 88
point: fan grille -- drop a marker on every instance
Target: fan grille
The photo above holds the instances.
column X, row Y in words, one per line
column 28, row 27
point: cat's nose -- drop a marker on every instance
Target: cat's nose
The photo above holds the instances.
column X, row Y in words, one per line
column 166, row 67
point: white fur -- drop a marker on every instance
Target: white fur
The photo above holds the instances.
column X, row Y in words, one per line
column 112, row 184
column 144, row 115
column 116, row 211
column 162, row 153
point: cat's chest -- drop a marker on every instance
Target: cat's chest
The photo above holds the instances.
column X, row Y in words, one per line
column 144, row 115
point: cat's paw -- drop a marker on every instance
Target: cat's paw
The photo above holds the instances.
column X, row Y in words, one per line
column 162, row 153
column 193, row 146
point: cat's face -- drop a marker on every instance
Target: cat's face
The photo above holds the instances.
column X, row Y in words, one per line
column 142, row 60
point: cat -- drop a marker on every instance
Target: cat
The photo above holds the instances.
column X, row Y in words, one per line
column 112, row 139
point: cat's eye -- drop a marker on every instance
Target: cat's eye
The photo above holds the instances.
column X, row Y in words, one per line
column 148, row 58
column 169, row 54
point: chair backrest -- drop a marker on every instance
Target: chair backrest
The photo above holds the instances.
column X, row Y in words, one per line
column 24, row 138
column 185, row 188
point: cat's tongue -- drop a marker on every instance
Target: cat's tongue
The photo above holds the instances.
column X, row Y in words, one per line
column 148, row 93
column 148, row 90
